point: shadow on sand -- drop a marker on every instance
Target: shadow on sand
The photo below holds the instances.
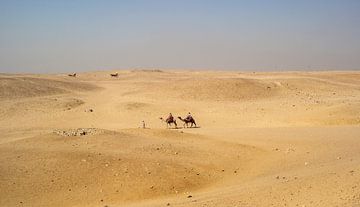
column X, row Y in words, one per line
column 185, row 127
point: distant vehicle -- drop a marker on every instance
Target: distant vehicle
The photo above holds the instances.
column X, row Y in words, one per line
column 114, row 74
column 72, row 75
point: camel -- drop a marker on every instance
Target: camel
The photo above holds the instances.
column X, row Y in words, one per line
column 187, row 121
column 114, row 74
column 72, row 75
column 169, row 122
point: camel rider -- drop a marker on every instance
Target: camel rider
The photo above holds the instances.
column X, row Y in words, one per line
column 170, row 118
column 189, row 117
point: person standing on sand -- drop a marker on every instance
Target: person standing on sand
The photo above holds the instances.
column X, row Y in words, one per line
column 143, row 124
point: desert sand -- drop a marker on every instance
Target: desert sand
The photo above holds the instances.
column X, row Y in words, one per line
column 263, row 139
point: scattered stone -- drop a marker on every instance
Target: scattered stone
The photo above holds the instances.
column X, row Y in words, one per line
column 339, row 158
column 78, row 132
column 168, row 204
column 277, row 177
column 189, row 196
column 175, row 153
column 306, row 163
column 288, row 150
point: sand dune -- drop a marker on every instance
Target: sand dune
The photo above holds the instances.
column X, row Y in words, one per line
column 264, row 139
column 214, row 89
column 22, row 86
column 109, row 165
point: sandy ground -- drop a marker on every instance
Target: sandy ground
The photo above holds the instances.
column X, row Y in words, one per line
column 263, row 139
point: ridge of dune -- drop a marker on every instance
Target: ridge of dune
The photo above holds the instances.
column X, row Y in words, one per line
column 19, row 87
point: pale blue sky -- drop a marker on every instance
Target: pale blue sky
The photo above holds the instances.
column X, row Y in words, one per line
column 78, row 35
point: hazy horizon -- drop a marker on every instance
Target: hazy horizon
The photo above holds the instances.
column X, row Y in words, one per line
column 277, row 35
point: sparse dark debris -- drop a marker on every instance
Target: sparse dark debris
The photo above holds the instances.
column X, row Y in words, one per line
column 78, row 132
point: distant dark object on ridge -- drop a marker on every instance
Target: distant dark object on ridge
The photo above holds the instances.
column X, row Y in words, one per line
column 114, row 74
